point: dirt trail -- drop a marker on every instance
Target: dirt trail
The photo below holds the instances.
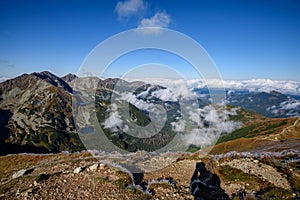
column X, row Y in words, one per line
column 282, row 133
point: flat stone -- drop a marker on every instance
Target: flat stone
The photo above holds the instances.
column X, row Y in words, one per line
column 94, row 167
column 20, row 173
column 77, row 170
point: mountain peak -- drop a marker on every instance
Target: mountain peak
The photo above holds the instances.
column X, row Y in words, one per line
column 53, row 79
column 44, row 75
column 69, row 77
column 274, row 92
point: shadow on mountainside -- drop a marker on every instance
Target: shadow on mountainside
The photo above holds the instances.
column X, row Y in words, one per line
column 205, row 185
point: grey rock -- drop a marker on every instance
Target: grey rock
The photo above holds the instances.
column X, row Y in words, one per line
column 77, row 170
column 94, row 167
column 20, row 173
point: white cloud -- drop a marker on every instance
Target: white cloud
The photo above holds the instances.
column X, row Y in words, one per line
column 253, row 85
column 291, row 107
column 212, row 116
column 3, row 78
column 130, row 7
column 165, row 95
column 198, row 126
column 178, row 126
column 140, row 104
column 201, row 137
column 230, row 126
column 114, row 121
column 160, row 19
column 194, row 116
column 218, row 124
column 179, row 87
column 155, row 23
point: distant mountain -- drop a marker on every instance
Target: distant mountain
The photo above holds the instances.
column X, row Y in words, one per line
column 69, row 77
column 113, row 93
column 36, row 112
column 36, row 115
column 272, row 104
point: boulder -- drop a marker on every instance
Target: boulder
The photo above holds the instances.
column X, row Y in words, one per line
column 20, row 173
column 94, row 167
column 77, row 170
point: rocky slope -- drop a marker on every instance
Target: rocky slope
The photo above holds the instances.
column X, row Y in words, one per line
column 80, row 176
column 36, row 115
column 262, row 136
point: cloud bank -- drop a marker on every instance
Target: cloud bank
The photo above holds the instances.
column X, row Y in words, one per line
column 291, row 107
column 253, row 85
column 3, row 78
column 200, row 126
column 210, row 123
column 114, row 122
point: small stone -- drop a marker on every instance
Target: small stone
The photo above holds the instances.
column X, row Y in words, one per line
column 247, row 184
column 35, row 183
column 20, row 173
column 28, row 191
column 102, row 166
column 94, row 167
column 256, row 161
column 77, row 170
column 64, row 180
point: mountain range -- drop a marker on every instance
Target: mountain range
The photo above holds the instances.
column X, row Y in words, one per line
column 36, row 113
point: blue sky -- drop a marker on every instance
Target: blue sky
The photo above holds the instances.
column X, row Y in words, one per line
column 246, row 39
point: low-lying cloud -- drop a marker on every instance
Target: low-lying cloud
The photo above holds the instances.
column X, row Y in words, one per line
column 210, row 122
column 114, row 122
column 253, row 85
column 200, row 126
column 291, row 107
